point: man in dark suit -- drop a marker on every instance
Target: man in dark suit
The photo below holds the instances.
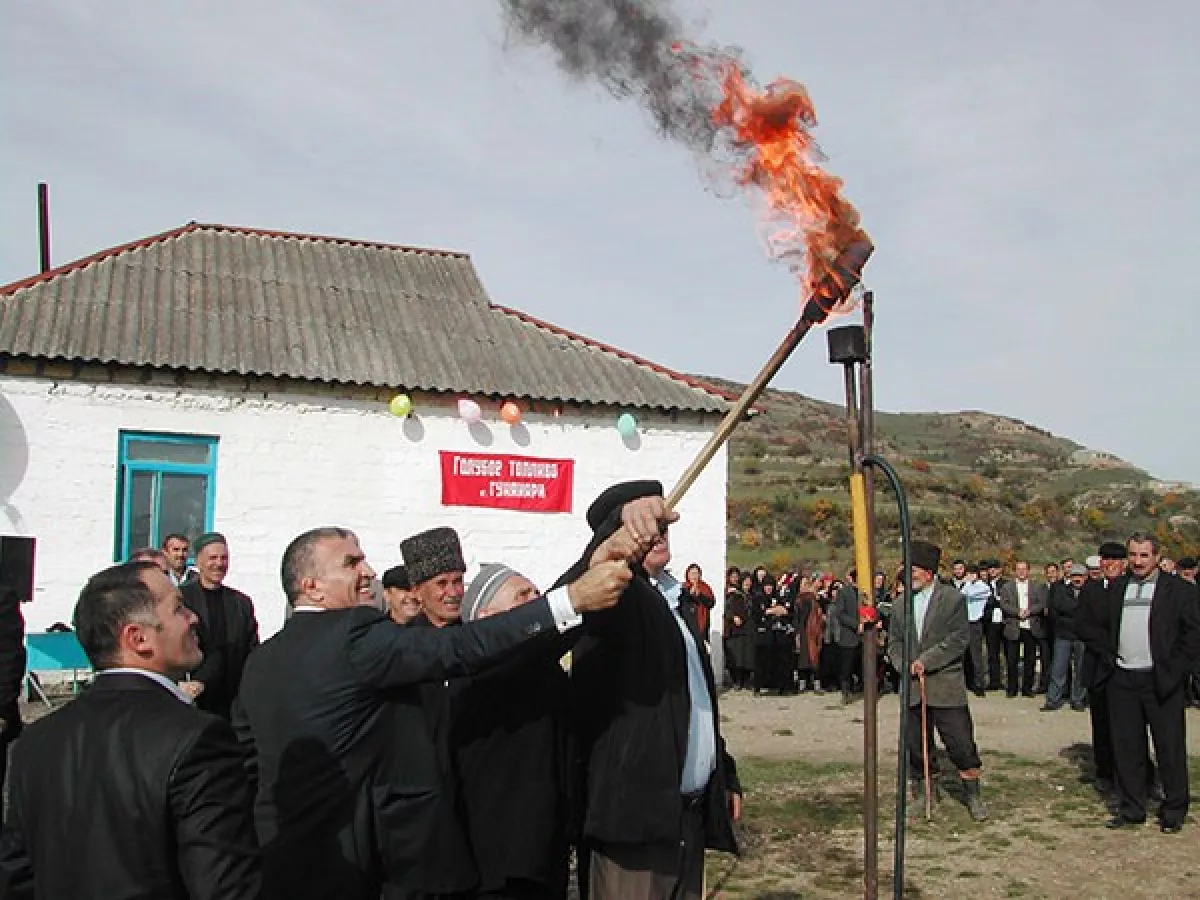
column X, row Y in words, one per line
column 227, row 627
column 12, row 671
column 129, row 791
column 940, row 636
column 660, row 787
column 1146, row 638
column 347, row 775
column 1023, row 603
column 993, row 623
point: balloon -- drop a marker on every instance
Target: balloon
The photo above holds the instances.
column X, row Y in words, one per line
column 401, row 405
column 627, row 425
column 469, row 411
column 510, row 413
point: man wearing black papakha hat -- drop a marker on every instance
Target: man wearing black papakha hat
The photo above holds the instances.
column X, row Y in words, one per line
column 660, row 787
column 227, row 628
column 940, row 637
column 434, row 562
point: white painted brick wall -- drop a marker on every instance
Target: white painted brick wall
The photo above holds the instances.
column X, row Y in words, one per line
column 286, row 463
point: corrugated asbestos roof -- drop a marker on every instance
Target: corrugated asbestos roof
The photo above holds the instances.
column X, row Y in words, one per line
column 221, row 299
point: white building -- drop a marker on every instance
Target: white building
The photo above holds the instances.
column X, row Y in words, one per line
column 239, row 380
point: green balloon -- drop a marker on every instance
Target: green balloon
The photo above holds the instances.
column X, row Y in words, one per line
column 627, row 425
column 401, row 405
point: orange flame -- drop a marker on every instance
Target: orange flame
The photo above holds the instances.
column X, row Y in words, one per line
column 808, row 222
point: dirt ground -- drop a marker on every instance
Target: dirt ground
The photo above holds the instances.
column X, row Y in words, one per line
column 801, row 766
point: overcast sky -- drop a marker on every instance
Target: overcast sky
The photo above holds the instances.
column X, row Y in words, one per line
column 1027, row 170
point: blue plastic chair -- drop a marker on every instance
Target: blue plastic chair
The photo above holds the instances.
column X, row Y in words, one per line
column 54, row 651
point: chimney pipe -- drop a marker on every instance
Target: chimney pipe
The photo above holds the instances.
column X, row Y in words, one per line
column 44, row 225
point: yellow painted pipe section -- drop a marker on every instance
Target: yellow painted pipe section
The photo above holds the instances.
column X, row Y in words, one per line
column 862, row 537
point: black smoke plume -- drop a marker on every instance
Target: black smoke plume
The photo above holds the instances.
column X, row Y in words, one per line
column 636, row 49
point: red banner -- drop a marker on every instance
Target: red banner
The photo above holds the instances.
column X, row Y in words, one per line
column 502, row 481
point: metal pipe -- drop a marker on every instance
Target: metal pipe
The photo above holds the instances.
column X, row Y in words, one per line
column 848, row 346
column 884, row 466
column 866, row 564
column 43, row 193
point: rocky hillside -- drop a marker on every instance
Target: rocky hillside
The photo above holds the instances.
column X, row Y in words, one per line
column 979, row 484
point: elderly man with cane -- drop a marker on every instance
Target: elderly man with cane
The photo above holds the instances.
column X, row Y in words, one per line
column 939, row 698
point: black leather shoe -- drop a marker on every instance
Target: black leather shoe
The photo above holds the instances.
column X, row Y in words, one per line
column 1170, row 827
column 1119, row 821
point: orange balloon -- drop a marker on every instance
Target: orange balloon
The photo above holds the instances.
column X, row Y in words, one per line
column 510, row 413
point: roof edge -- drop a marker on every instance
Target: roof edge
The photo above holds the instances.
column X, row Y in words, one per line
column 709, row 389
column 330, row 239
column 100, row 256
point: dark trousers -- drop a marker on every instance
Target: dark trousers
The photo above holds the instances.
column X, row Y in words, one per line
column 993, row 633
column 1024, row 648
column 1045, row 648
column 954, row 724
column 1133, row 707
column 848, row 660
column 973, row 665
column 1102, row 750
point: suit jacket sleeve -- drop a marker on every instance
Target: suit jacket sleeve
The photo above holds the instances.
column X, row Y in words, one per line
column 1038, row 604
column 212, row 665
column 1185, row 649
column 847, row 608
column 214, row 829
column 1091, row 620
column 384, row 655
column 1006, row 597
column 953, row 644
column 16, row 865
column 897, row 629
column 12, row 659
column 732, row 782
column 245, row 738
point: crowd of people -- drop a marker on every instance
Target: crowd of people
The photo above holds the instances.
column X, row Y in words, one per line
column 799, row 630
column 419, row 735
column 1082, row 636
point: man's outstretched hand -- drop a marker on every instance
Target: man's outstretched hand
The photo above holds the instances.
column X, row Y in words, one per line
column 645, row 517
column 642, row 521
column 600, row 586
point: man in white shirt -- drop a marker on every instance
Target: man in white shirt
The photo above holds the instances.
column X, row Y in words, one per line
column 1023, row 604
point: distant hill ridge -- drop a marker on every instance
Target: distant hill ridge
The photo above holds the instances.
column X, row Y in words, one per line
column 980, row 484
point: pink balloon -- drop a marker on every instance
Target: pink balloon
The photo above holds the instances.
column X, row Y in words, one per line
column 510, row 413
column 469, row 411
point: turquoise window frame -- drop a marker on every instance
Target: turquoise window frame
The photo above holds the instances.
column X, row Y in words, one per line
column 126, row 468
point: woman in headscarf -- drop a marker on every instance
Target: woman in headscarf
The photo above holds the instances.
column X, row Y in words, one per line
column 696, row 591
column 774, row 650
column 739, row 634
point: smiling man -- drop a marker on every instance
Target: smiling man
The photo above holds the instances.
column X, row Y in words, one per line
column 227, row 627
column 348, row 779
column 129, row 791
column 1145, row 633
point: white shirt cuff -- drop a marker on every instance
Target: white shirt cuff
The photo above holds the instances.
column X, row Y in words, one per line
column 565, row 617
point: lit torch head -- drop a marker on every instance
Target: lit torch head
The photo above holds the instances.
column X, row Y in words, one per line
column 835, row 287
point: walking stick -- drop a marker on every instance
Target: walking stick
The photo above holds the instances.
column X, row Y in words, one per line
column 925, row 747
